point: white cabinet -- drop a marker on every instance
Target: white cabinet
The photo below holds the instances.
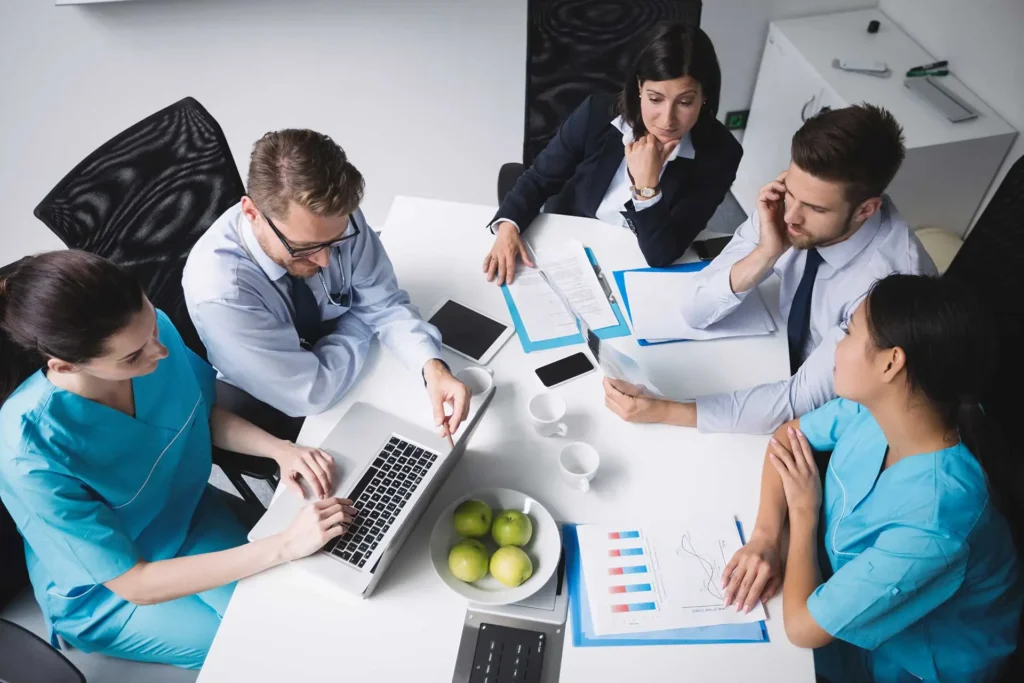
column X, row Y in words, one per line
column 949, row 166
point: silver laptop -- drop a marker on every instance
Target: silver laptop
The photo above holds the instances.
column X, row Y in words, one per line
column 390, row 469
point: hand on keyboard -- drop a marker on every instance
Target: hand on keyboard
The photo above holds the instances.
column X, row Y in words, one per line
column 315, row 525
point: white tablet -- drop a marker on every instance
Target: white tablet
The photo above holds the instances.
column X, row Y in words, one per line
column 469, row 333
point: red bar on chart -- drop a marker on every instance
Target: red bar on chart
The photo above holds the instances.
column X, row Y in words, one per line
column 634, row 607
column 623, row 535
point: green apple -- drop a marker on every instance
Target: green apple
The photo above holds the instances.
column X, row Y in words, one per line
column 511, row 566
column 512, row 527
column 468, row 560
column 472, row 518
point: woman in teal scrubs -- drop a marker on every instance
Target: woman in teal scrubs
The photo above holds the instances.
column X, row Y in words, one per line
column 105, row 433
column 908, row 569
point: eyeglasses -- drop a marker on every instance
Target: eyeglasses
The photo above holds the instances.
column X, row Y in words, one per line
column 300, row 252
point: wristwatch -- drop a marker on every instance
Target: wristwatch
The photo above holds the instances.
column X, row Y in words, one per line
column 644, row 192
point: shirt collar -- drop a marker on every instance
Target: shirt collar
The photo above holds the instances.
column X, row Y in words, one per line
column 683, row 149
column 273, row 270
column 840, row 254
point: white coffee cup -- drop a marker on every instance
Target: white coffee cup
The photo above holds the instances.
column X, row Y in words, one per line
column 578, row 463
column 478, row 380
column 546, row 412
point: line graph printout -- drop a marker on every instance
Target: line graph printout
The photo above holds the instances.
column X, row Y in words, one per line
column 654, row 577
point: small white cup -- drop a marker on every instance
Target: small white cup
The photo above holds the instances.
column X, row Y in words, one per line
column 479, row 380
column 546, row 412
column 578, row 463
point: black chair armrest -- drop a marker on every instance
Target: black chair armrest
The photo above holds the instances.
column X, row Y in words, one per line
column 249, row 465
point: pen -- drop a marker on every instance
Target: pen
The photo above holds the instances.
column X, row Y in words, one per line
column 933, row 65
column 917, row 73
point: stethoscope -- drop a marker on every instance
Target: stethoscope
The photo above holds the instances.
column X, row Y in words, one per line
column 343, row 298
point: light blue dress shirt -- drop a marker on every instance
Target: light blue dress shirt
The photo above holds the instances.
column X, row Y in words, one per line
column 926, row 578
column 883, row 245
column 240, row 302
column 93, row 491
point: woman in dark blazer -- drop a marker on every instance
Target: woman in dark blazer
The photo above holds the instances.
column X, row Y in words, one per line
column 654, row 160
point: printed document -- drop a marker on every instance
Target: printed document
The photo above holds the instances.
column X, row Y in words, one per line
column 666, row 575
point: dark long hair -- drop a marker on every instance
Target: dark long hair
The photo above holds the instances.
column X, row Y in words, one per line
column 949, row 338
column 672, row 50
column 61, row 304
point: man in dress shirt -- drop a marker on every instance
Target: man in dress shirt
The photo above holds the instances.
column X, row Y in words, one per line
column 827, row 230
column 288, row 288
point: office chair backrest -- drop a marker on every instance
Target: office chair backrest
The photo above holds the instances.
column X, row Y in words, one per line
column 575, row 48
column 992, row 260
column 145, row 196
column 13, row 575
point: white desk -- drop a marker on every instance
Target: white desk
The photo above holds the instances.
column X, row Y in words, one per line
column 285, row 625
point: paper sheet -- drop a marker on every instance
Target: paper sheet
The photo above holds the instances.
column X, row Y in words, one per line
column 574, row 275
column 617, row 365
column 541, row 309
column 654, row 306
column 659, row 576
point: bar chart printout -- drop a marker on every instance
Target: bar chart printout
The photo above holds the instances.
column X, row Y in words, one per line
column 659, row 576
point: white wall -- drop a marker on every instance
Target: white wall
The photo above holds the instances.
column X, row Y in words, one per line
column 426, row 97
column 982, row 41
column 739, row 28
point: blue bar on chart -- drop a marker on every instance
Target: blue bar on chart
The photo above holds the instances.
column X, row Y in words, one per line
column 625, row 552
column 623, row 535
column 635, row 607
column 619, row 571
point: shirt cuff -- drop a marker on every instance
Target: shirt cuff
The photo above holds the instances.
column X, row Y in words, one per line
column 493, row 227
column 639, row 204
column 715, row 414
column 418, row 356
column 721, row 284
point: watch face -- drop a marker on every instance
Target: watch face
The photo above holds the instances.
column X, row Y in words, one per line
column 647, row 192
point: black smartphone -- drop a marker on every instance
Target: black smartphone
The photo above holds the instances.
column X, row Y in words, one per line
column 709, row 249
column 561, row 371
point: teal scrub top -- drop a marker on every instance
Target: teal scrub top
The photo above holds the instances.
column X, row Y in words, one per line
column 924, row 570
column 93, row 490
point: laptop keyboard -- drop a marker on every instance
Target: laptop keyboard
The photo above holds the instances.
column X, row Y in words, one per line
column 508, row 654
column 380, row 495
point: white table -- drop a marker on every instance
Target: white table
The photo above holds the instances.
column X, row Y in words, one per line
column 286, row 625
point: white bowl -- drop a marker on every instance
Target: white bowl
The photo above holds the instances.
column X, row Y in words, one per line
column 544, row 548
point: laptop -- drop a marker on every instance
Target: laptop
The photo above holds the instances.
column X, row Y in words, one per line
column 390, row 469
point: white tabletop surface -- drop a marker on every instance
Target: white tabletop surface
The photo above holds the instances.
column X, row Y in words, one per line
column 285, row 625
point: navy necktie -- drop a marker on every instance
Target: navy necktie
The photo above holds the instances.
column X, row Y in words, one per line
column 799, row 324
column 307, row 313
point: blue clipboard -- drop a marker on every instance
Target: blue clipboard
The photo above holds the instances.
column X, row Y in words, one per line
column 621, row 329
column 620, row 282
column 582, row 625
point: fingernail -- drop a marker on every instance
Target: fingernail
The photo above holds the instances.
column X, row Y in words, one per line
column 792, row 431
column 746, row 610
column 739, row 608
column 774, row 440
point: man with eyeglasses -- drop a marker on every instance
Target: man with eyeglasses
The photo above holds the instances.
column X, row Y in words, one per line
column 288, row 288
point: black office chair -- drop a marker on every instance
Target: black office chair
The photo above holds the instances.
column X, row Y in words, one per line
column 992, row 261
column 26, row 658
column 575, row 48
column 142, row 200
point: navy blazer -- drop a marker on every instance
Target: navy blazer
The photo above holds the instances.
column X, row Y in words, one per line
column 574, row 171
